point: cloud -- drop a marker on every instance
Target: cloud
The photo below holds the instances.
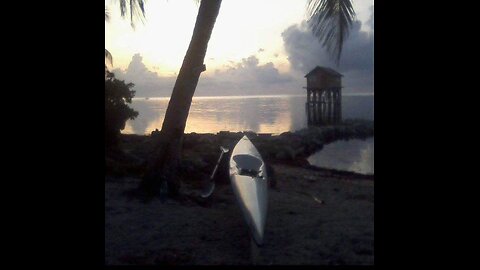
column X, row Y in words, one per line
column 147, row 83
column 370, row 21
column 247, row 77
column 356, row 64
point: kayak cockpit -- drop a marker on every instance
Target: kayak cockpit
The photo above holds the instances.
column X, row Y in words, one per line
column 248, row 165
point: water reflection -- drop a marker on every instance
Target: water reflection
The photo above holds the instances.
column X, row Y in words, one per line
column 151, row 114
column 263, row 114
column 352, row 155
column 213, row 114
column 298, row 119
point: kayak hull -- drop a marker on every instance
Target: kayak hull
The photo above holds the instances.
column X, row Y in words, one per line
column 248, row 177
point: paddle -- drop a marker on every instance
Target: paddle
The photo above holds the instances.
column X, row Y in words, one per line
column 208, row 190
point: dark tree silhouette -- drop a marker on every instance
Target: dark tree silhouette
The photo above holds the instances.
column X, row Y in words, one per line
column 117, row 96
column 118, row 93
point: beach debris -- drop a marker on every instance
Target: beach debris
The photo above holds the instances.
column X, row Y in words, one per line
column 318, row 200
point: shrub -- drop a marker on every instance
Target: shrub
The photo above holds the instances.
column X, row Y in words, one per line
column 117, row 96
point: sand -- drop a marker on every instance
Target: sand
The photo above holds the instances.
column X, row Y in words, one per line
column 315, row 217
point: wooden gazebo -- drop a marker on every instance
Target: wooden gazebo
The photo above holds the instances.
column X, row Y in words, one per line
column 324, row 96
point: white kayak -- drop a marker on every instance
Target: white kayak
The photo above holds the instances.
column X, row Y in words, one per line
column 248, row 176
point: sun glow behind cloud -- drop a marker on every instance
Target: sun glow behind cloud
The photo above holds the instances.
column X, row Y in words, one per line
column 162, row 40
column 243, row 28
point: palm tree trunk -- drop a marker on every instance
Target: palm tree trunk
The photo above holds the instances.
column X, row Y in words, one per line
column 164, row 163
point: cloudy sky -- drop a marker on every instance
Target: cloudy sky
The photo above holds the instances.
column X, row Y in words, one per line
column 258, row 47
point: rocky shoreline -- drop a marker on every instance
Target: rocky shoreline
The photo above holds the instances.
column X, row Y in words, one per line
column 200, row 151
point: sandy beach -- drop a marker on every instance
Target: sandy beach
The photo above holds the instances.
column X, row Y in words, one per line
column 315, row 217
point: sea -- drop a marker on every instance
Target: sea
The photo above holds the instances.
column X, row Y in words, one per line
column 264, row 114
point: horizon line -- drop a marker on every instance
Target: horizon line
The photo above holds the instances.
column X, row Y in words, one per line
column 250, row 96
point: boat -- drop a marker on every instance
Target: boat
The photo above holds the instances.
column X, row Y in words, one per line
column 248, row 177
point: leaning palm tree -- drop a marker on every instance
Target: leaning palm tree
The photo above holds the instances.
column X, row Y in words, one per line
column 329, row 21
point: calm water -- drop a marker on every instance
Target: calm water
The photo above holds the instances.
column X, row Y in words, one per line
column 262, row 114
column 351, row 155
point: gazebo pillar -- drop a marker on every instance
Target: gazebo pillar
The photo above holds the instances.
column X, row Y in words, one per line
column 315, row 106
column 329, row 106
column 339, row 104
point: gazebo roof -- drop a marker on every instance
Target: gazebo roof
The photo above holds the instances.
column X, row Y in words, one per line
column 324, row 69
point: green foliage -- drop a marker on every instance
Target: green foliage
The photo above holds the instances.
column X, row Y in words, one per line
column 117, row 96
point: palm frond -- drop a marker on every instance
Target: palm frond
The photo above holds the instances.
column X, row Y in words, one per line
column 330, row 21
column 136, row 8
column 108, row 57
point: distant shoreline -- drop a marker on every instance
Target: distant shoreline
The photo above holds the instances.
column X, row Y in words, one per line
column 250, row 96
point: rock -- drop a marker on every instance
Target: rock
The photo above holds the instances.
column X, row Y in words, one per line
column 299, row 151
column 271, row 176
column 304, row 133
column 281, row 155
column 155, row 133
column 207, row 139
column 291, row 154
column 250, row 134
